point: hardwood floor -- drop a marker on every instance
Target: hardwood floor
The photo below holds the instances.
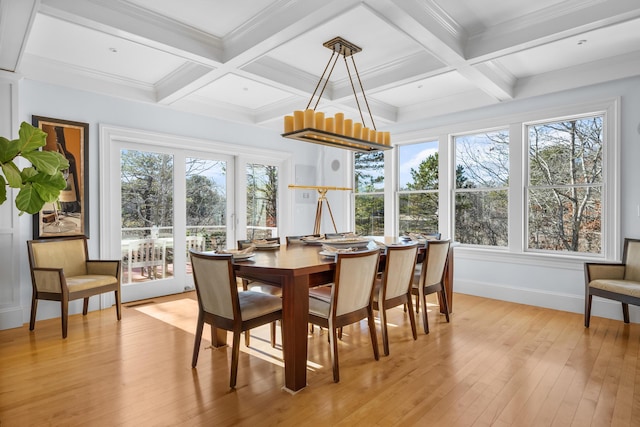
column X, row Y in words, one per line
column 496, row 363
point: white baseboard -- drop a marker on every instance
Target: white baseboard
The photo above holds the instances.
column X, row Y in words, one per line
column 11, row 318
column 557, row 301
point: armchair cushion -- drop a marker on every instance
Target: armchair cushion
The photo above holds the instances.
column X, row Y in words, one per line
column 624, row 287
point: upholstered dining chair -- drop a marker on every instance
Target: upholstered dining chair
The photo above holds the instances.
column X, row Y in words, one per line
column 616, row 281
column 351, row 300
column 222, row 306
column 431, row 278
column 62, row 271
column 259, row 286
column 394, row 287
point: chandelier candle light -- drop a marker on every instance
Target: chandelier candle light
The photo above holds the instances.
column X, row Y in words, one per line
column 310, row 125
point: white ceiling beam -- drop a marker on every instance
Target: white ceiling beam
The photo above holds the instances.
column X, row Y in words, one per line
column 16, row 18
column 430, row 26
column 562, row 20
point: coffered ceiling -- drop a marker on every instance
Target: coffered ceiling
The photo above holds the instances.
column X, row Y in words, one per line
column 252, row 61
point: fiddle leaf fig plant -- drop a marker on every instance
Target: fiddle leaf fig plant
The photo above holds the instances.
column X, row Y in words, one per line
column 39, row 183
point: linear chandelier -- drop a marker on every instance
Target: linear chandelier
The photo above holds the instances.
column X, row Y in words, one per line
column 312, row 126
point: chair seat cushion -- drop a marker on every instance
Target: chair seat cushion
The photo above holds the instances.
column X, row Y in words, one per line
column 265, row 288
column 319, row 307
column 256, row 304
column 90, row 281
column 624, row 287
column 322, row 293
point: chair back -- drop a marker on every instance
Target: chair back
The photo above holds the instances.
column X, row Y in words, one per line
column 399, row 268
column 434, row 263
column 68, row 253
column 631, row 259
column 146, row 252
column 355, row 275
column 215, row 283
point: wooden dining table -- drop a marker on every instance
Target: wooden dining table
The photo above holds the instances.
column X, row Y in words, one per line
column 294, row 268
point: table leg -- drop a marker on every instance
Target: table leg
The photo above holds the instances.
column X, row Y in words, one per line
column 295, row 317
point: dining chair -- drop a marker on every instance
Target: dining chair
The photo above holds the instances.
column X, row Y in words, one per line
column 259, row 286
column 431, row 278
column 616, row 281
column 351, row 300
column 222, row 306
column 393, row 288
column 62, row 271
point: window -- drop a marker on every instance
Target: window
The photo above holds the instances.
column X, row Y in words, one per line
column 418, row 188
column 481, row 188
column 369, row 197
column 564, row 191
column 262, row 198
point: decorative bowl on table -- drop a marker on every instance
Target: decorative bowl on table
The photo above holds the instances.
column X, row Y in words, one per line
column 266, row 245
column 313, row 240
column 347, row 242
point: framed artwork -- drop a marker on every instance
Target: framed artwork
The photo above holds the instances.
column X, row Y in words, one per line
column 69, row 216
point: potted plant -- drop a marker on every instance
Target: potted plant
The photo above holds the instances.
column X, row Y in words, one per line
column 39, row 183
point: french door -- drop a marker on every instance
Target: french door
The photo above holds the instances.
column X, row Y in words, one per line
column 162, row 195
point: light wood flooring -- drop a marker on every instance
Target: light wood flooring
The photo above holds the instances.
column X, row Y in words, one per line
column 496, row 363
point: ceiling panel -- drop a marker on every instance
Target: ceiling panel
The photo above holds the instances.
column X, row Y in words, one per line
column 381, row 44
column 243, row 92
column 216, row 17
column 94, row 51
column 591, row 46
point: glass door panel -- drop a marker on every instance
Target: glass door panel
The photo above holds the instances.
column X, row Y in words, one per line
column 146, row 215
column 206, row 205
column 262, row 201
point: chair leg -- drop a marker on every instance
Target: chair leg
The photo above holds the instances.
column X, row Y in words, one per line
column 625, row 312
column 425, row 320
column 417, row 303
column 273, row 334
column 383, row 326
column 85, row 306
column 34, row 308
column 118, row 306
column 64, row 308
column 443, row 297
column 587, row 310
column 412, row 318
column 372, row 332
column 196, row 344
column 235, row 354
column 247, row 337
column 333, row 343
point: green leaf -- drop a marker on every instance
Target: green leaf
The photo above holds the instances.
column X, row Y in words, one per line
column 12, row 173
column 48, row 162
column 48, row 187
column 3, row 190
column 31, row 138
column 28, row 200
column 8, row 150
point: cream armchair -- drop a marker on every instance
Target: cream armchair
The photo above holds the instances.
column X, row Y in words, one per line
column 61, row 271
column 620, row 282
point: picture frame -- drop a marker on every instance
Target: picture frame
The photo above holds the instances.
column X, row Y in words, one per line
column 69, row 216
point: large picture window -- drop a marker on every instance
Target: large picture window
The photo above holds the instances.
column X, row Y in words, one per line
column 418, row 188
column 481, row 188
column 369, row 197
column 564, row 192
